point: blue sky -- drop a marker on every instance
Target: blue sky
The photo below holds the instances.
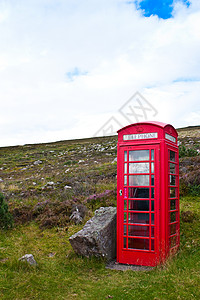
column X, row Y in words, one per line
column 163, row 9
column 67, row 67
column 71, row 75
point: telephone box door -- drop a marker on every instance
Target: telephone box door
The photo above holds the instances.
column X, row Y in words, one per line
column 138, row 205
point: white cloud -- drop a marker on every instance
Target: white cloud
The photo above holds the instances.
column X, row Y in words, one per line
column 193, row 118
column 116, row 51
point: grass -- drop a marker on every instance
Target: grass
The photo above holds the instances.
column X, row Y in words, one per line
column 61, row 274
column 88, row 167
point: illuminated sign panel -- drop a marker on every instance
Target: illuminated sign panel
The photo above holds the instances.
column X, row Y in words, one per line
column 140, row 136
column 170, row 138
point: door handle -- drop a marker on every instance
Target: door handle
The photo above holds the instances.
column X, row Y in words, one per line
column 120, row 192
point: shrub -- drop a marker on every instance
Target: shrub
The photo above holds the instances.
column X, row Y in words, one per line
column 187, row 152
column 106, row 198
column 6, row 219
column 194, row 190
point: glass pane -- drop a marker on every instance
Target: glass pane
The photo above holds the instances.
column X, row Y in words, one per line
column 125, row 216
column 152, row 219
column 152, row 245
column 138, row 192
column 124, row 242
column 125, row 168
column 152, row 205
column 152, row 193
column 142, row 205
column 172, row 192
column 152, row 154
column 138, row 167
column 172, row 155
column 152, row 167
column 125, row 155
column 172, row 180
column 139, row 155
column 173, row 229
column 172, row 168
column 152, row 231
column 125, row 192
column 172, row 216
column 138, row 218
column 172, row 204
column 173, row 241
column 134, row 230
column 152, row 179
column 125, row 230
column 125, row 205
column 139, row 180
column 142, row 244
column 125, row 179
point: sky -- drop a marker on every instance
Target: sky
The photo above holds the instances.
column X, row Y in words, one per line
column 75, row 69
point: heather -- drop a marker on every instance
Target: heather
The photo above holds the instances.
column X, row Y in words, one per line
column 40, row 186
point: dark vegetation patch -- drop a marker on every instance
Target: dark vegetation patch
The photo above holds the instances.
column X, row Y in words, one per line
column 6, row 219
column 189, row 152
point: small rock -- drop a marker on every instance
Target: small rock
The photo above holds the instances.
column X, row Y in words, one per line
column 50, row 183
column 29, row 258
column 67, row 187
column 23, row 169
column 1, row 179
column 82, row 209
column 78, row 213
column 67, row 170
column 76, row 218
column 37, row 162
column 114, row 160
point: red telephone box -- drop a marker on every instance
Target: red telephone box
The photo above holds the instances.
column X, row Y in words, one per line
column 147, row 193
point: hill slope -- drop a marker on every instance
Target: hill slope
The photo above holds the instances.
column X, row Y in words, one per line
column 75, row 170
column 42, row 182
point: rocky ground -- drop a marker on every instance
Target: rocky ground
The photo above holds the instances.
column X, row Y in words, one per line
column 44, row 181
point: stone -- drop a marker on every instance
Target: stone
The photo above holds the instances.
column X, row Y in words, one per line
column 113, row 265
column 37, row 162
column 80, row 161
column 76, row 217
column 29, row 258
column 50, row 183
column 67, row 187
column 98, row 236
column 114, row 160
column 78, row 213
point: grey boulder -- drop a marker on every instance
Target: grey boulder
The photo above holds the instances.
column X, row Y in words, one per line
column 98, row 236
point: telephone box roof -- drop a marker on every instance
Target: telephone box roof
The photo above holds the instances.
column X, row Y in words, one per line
column 158, row 124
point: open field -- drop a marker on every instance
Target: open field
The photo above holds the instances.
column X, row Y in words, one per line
column 61, row 274
column 67, row 172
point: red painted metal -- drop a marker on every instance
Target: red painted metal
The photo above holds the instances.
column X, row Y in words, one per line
column 148, row 225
